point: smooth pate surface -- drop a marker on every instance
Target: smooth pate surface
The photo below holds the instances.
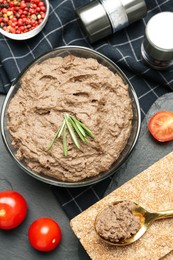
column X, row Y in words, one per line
column 83, row 88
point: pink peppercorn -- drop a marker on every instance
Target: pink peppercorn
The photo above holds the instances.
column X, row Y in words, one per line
column 21, row 16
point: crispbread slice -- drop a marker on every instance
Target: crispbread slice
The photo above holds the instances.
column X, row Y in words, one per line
column 169, row 256
column 153, row 189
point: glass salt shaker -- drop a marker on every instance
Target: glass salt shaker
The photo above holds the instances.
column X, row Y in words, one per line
column 101, row 18
column 157, row 47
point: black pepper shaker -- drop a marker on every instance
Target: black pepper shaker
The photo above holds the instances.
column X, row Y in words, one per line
column 157, row 47
column 101, row 18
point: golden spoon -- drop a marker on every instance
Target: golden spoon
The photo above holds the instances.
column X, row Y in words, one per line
column 146, row 219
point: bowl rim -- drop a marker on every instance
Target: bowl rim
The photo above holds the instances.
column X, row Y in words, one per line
column 47, row 179
column 32, row 33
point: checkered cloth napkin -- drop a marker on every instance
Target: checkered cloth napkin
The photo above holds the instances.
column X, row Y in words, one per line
column 123, row 48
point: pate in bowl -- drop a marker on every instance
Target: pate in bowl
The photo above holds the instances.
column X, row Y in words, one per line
column 71, row 118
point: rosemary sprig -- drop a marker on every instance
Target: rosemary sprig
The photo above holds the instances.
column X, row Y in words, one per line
column 61, row 129
column 70, row 128
column 82, row 137
column 57, row 135
column 78, row 125
column 86, row 129
column 53, row 140
column 75, row 128
column 65, row 149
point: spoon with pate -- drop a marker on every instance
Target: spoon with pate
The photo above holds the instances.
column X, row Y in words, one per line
column 124, row 222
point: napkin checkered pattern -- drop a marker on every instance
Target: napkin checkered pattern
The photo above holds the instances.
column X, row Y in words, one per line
column 123, row 48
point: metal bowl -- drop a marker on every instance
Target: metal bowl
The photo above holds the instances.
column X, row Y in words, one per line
column 136, row 122
column 32, row 33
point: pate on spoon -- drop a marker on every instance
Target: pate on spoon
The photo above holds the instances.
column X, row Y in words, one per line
column 124, row 222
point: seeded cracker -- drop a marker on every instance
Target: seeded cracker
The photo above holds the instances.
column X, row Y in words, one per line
column 152, row 189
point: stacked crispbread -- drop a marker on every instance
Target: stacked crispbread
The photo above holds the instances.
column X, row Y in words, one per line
column 152, row 189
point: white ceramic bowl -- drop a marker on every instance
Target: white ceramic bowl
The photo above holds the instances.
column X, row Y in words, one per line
column 32, row 33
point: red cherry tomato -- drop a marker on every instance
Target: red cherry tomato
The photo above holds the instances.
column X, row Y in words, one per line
column 161, row 126
column 13, row 209
column 44, row 234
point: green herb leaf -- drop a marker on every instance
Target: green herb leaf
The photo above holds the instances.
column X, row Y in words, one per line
column 65, row 149
column 75, row 128
column 61, row 129
column 71, row 131
column 87, row 130
column 78, row 125
column 53, row 140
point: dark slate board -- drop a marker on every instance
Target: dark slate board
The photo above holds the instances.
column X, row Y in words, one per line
column 147, row 150
column 14, row 244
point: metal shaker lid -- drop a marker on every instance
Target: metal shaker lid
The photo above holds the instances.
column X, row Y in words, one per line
column 94, row 21
column 135, row 9
column 158, row 42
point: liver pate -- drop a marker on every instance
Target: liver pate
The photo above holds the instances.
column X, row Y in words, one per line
column 117, row 222
column 83, row 88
